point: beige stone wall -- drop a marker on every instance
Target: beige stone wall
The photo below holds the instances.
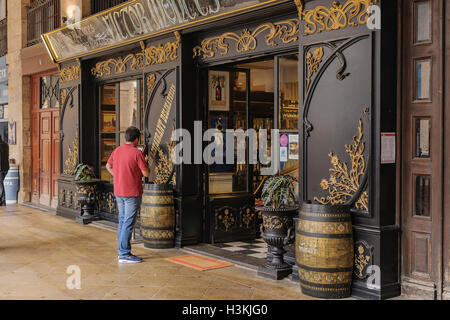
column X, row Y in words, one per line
column 23, row 62
column 19, row 94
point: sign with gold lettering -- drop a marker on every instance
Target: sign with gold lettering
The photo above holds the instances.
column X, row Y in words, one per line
column 138, row 19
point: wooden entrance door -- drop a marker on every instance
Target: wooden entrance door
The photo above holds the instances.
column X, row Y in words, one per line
column 45, row 140
column 422, row 138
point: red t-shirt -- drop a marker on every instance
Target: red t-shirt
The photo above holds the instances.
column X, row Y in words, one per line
column 127, row 161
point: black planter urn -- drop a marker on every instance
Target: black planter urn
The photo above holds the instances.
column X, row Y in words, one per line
column 277, row 231
column 86, row 191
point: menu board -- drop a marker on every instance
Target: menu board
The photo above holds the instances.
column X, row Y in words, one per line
column 138, row 19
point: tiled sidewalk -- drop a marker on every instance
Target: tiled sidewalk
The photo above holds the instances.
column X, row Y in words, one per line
column 36, row 248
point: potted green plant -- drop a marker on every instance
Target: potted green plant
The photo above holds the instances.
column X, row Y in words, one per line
column 84, row 178
column 279, row 208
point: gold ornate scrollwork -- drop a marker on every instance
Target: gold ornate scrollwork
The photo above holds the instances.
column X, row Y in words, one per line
column 313, row 61
column 148, row 56
column 70, row 73
column 72, row 160
column 119, row 65
column 343, row 183
column 321, row 18
column 300, row 5
column 161, row 53
column 286, row 31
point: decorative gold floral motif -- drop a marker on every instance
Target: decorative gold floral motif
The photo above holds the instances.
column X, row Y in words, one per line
column 313, row 61
column 158, row 234
column 63, row 96
column 248, row 217
column 148, row 56
column 86, row 189
column 69, row 198
column 72, row 160
column 325, row 227
column 272, row 222
column 70, row 73
column 362, row 259
column 227, row 219
column 62, row 197
column 111, row 202
column 151, row 79
column 321, row 18
column 286, row 31
column 324, row 278
column 343, row 183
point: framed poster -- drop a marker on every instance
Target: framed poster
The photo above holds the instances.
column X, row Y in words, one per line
column 109, row 95
column 219, row 90
column 293, row 146
column 108, row 146
column 108, row 121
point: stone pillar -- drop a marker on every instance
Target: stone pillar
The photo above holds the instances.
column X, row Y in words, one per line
column 19, row 94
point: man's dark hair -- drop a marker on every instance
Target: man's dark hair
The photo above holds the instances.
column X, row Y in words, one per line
column 132, row 134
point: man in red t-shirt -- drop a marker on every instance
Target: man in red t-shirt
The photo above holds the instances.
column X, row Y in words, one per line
column 127, row 165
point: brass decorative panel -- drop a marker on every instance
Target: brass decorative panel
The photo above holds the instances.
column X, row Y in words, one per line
column 70, row 73
column 344, row 182
column 339, row 16
column 136, row 61
column 72, row 160
column 286, row 31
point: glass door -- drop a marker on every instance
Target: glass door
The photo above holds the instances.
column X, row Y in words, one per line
column 120, row 107
column 228, row 96
column 229, row 203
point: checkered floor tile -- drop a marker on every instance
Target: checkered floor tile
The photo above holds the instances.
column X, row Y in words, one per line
column 254, row 248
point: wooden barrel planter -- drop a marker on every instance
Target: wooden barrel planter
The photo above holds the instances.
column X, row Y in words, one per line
column 158, row 216
column 324, row 250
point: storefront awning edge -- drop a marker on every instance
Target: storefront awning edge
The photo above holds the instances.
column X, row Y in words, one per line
column 154, row 34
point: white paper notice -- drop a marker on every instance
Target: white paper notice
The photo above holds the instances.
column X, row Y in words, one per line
column 283, row 154
column 388, row 148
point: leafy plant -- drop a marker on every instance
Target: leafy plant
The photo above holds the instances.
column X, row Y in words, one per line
column 83, row 172
column 278, row 192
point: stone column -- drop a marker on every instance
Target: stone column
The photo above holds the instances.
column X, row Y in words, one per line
column 19, row 94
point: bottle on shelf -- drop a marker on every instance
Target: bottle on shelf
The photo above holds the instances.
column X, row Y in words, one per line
column 218, row 91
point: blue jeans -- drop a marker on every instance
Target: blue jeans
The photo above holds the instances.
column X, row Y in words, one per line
column 128, row 209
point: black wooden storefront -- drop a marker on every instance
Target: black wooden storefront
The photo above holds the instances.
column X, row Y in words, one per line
column 347, row 98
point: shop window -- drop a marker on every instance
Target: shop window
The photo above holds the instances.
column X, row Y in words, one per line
column 288, row 114
column 423, row 79
column 422, row 186
column 288, row 75
column 422, row 21
column 49, row 91
column 422, row 138
column 119, row 110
